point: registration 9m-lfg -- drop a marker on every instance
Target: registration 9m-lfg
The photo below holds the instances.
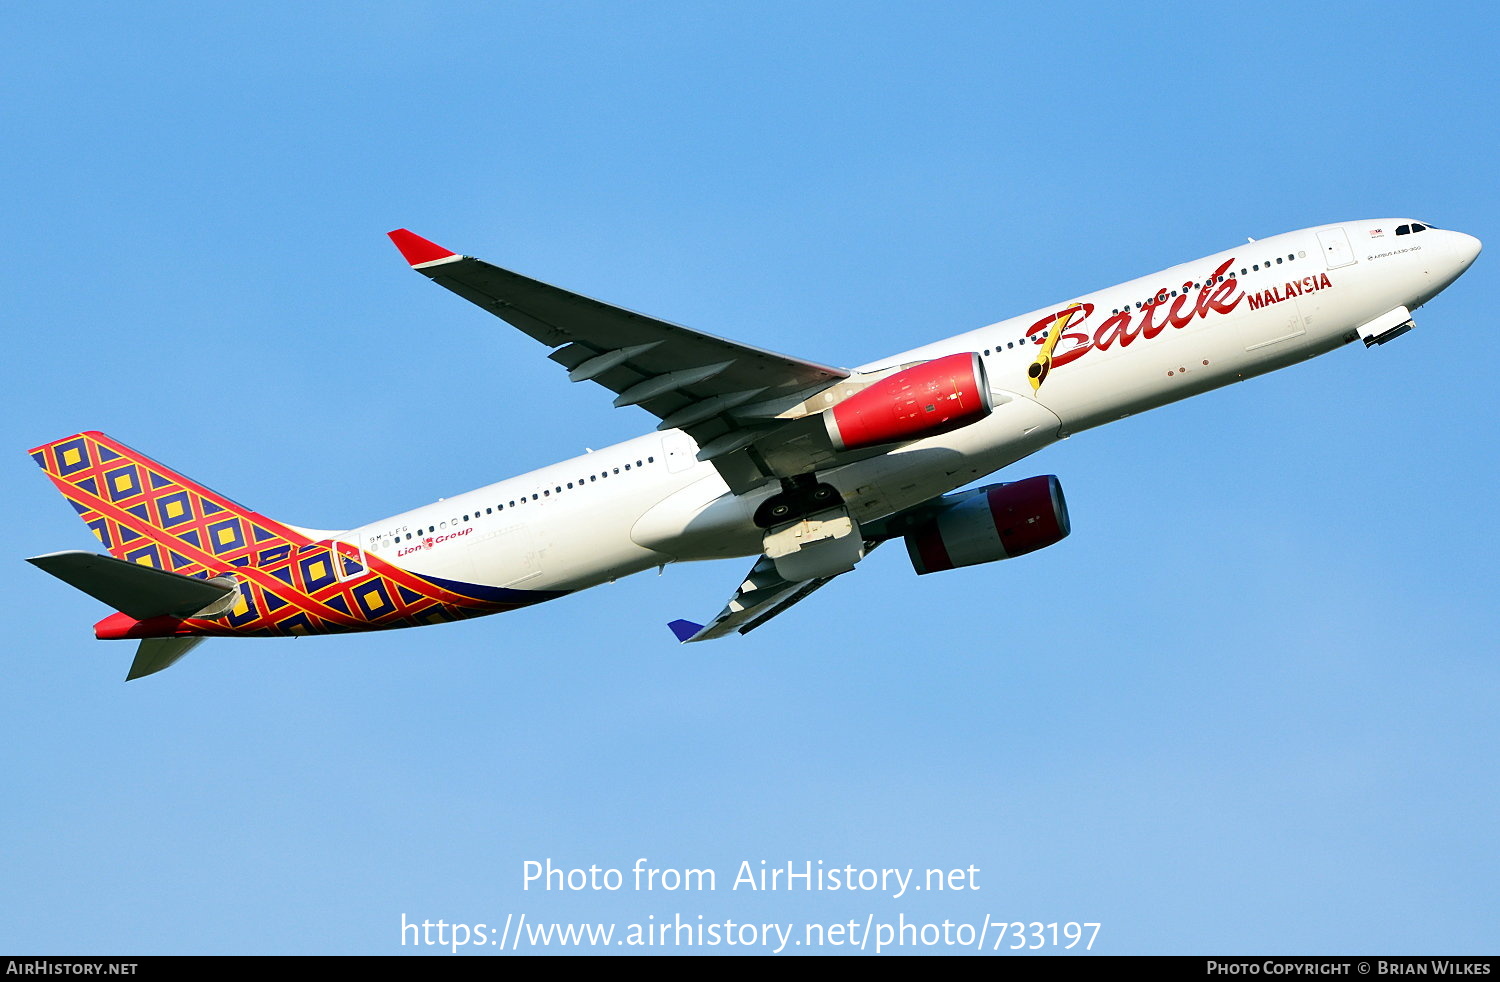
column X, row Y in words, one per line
column 762, row 876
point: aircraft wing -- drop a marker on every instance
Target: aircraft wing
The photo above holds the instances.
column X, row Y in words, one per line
column 722, row 393
column 761, row 596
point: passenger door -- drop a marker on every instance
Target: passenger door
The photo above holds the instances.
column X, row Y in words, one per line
column 1336, row 251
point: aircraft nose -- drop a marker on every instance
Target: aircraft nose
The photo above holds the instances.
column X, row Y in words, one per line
column 1465, row 248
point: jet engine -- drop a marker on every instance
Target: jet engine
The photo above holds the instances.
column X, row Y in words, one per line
column 925, row 400
column 999, row 521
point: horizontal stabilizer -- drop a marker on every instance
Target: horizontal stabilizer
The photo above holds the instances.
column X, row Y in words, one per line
column 139, row 591
column 155, row 654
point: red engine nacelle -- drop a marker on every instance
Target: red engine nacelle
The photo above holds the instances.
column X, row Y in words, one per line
column 995, row 522
column 924, row 400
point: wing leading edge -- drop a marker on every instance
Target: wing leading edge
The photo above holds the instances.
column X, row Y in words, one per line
column 725, row 395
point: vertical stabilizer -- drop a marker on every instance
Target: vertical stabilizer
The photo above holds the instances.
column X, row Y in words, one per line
column 148, row 514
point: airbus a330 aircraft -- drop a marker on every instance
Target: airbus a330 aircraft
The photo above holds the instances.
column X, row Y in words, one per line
column 807, row 466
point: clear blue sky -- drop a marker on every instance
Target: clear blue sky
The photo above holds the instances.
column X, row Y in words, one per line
column 1249, row 706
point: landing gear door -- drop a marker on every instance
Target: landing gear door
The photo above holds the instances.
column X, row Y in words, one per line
column 1336, row 251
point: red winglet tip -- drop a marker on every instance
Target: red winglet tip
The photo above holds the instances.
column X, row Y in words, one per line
column 417, row 250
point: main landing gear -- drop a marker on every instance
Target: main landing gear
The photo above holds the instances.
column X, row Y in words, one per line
column 809, row 532
column 799, row 497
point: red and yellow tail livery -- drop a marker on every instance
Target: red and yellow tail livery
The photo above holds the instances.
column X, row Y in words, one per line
column 148, row 514
column 255, row 576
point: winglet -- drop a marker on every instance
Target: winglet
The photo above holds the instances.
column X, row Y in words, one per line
column 416, row 250
column 684, row 629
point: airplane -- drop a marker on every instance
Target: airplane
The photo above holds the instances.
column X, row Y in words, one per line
column 805, row 466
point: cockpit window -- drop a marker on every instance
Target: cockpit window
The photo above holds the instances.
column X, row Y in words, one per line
column 1403, row 229
column 1419, row 228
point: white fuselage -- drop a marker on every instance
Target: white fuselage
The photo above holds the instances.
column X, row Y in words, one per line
column 648, row 501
